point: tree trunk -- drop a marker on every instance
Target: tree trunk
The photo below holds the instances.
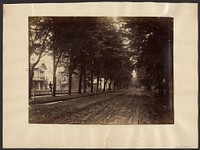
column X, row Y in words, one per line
column 97, row 83
column 91, row 80
column 84, row 77
column 30, row 82
column 92, row 74
column 104, row 86
column 84, row 81
column 70, row 70
column 54, row 75
column 109, row 88
column 54, row 85
column 114, row 85
column 100, row 84
column 69, row 82
column 167, row 89
column 80, row 80
column 160, row 89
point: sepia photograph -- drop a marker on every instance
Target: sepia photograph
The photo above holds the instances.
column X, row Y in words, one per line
column 100, row 75
column 100, row 70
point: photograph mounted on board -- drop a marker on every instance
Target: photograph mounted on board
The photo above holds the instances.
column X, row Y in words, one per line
column 101, row 70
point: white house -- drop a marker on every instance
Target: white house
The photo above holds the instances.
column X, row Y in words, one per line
column 39, row 81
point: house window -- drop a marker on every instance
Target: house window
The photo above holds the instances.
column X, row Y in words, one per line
column 41, row 74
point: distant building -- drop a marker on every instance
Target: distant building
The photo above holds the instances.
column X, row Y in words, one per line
column 39, row 81
column 62, row 81
column 75, row 82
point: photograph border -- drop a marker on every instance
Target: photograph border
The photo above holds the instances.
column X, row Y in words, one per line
column 69, row 1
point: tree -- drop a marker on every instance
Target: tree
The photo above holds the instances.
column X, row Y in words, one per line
column 92, row 47
column 59, row 46
column 64, row 47
column 151, row 38
column 39, row 43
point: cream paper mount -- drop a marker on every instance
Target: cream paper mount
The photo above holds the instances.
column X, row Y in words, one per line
column 18, row 133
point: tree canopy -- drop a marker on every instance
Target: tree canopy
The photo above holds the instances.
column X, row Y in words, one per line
column 106, row 47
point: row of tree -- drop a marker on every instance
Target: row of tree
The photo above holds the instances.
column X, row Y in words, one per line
column 89, row 47
column 152, row 39
column 105, row 47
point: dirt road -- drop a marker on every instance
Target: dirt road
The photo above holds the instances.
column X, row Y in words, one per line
column 116, row 108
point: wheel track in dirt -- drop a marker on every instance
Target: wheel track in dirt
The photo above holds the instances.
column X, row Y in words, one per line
column 55, row 118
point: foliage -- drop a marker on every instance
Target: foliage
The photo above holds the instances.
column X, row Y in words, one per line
column 152, row 40
column 106, row 47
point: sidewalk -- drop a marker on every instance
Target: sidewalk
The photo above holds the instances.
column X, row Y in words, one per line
column 63, row 97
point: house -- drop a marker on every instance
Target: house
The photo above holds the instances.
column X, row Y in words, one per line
column 62, row 81
column 39, row 80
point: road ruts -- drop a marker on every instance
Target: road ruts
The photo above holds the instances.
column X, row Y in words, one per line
column 121, row 108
